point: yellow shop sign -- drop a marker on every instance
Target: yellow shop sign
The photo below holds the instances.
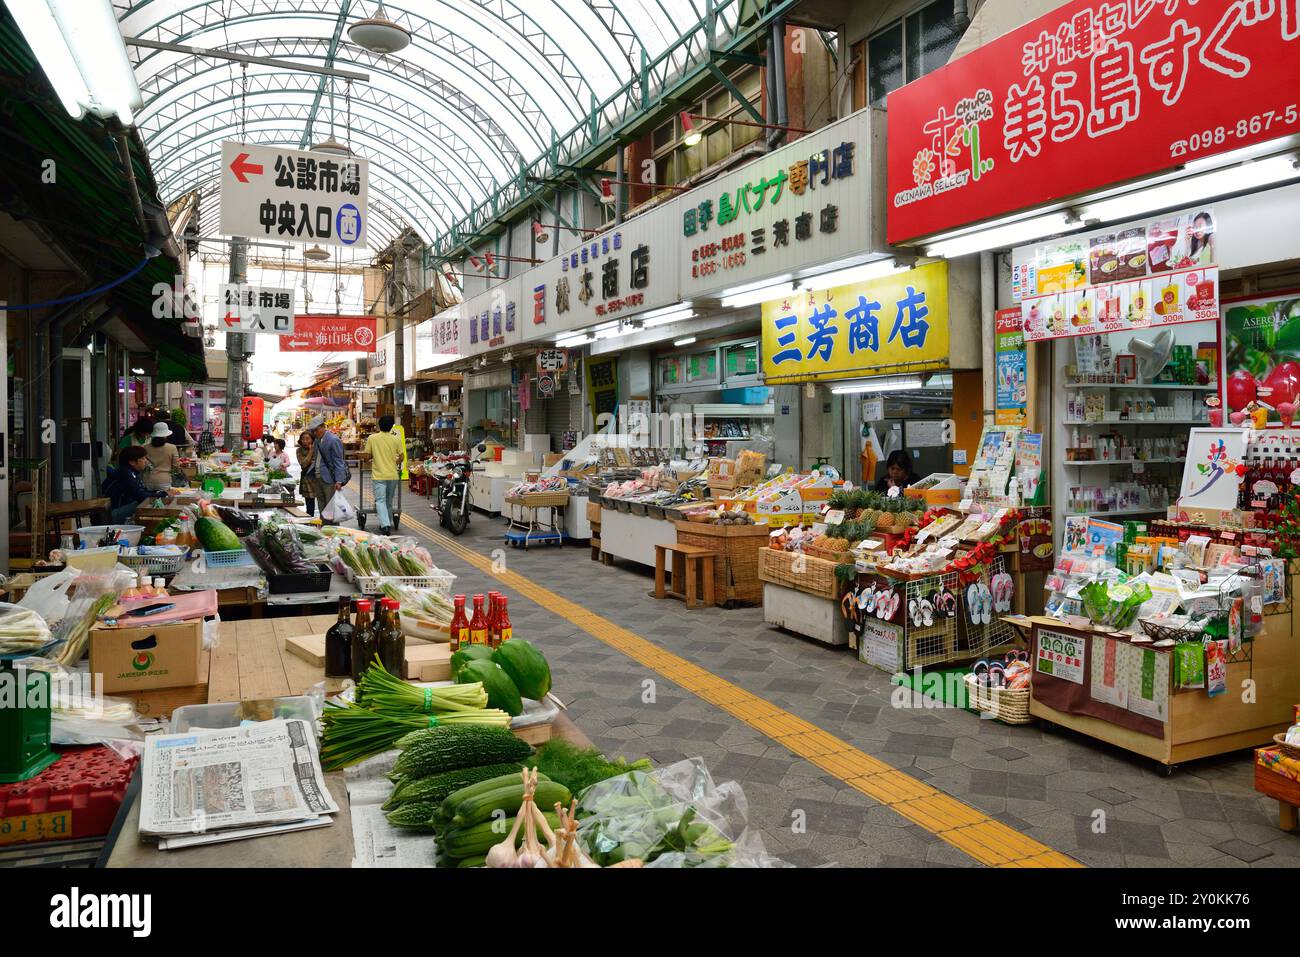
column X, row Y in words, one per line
column 894, row 324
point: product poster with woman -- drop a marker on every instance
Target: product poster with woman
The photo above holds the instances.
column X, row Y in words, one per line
column 1181, row 242
column 1262, row 359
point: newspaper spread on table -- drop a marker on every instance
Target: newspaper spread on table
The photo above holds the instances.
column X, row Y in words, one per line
column 376, row 843
column 259, row 774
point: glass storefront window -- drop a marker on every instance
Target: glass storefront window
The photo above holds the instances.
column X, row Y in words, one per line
column 702, row 366
column 741, row 360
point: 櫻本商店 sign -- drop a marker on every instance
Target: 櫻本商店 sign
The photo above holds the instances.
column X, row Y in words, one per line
column 1091, row 94
column 897, row 323
column 303, row 197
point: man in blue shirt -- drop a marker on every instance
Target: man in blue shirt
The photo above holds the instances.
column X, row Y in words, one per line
column 123, row 485
column 330, row 472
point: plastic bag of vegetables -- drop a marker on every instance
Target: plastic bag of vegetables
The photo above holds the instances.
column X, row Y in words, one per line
column 674, row 816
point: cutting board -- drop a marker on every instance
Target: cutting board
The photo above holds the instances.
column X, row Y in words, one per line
column 425, row 660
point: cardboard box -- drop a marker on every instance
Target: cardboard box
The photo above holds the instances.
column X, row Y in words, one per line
column 947, row 491
column 148, row 656
column 550, row 458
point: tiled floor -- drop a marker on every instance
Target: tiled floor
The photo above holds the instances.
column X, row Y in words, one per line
column 1102, row 806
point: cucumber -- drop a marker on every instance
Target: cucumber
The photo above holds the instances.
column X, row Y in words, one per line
column 436, row 787
column 456, row 798
column 470, row 841
column 479, row 809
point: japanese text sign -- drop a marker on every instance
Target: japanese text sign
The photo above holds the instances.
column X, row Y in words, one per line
column 256, row 309
column 803, row 204
column 301, row 197
column 893, row 324
column 493, row 318
column 552, row 360
column 1094, row 93
column 330, row 334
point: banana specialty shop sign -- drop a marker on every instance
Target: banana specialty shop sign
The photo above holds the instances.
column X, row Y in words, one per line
column 893, row 324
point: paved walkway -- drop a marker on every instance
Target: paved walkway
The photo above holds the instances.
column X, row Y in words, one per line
column 1096, row 804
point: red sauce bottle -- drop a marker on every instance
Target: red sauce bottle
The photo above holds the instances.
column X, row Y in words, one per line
column 459, row 624
column 478, row 623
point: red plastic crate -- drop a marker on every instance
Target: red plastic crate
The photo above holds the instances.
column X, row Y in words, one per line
column 77, row 796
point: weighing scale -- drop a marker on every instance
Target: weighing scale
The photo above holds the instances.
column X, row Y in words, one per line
column 24, row 732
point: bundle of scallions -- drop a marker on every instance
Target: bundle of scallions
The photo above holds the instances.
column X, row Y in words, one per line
column 381, row 691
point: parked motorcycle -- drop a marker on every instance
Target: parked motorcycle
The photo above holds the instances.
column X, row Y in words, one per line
column 454, row 496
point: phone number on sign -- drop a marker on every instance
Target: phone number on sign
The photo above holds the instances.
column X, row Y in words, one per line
column 1249, row 126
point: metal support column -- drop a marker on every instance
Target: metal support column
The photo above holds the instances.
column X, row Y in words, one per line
column 620, row 178
column 236, row 348
column 399, row 334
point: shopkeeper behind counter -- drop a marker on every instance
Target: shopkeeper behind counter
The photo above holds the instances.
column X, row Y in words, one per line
column 898, row 472
column 124, row 486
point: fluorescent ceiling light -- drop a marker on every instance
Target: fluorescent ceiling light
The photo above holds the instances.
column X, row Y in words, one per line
column 998, row 237
column 689, row 340
column 1193, row 189
column 137, row 371
column 671, row 317
column 80, row 48
column 1219, row 160
column 853, row 274
column 761, row 294
column 748, row 287
column 888, row 383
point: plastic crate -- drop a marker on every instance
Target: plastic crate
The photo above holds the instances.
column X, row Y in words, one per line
column 163, row 565
column 76, row 797
column 232, row 714
column 439, row 581
column 228, row 558
column 300, row 584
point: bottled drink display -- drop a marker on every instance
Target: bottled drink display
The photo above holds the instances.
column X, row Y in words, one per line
column 478, row 623
column 364, row 643
column 459, row 624
column 338, row 643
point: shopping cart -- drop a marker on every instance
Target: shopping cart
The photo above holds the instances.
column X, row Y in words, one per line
column 360, row 467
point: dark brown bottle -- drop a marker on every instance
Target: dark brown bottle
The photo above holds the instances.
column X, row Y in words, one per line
column 338, row 643
column 364, row 641
column 392, row 643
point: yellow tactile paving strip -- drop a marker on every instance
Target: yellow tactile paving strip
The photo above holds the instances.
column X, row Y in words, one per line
column 969, row 830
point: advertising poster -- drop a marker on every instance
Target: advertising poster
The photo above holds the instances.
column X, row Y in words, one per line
column 1262, row 355
column 1060, row 654
column 1210, row 478
column 1012, row 366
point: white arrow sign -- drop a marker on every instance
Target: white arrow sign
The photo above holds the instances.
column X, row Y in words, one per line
column 292, row 195
column 256, row 309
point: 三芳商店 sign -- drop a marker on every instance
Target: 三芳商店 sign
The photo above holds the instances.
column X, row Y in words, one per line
column 293, row 195
column 1091, row 94
column 256, row 309
column 897, row 323
column 803, row 204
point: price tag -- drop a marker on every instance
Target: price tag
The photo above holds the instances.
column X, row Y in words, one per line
column 1139, row 468
column 835, row 516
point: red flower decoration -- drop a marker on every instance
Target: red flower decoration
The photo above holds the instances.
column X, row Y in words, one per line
column 1241, row 470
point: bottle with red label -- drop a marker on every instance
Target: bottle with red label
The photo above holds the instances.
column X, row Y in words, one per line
column 504, row 631
column 494, row 601
column 459, row 624
column 478, row 623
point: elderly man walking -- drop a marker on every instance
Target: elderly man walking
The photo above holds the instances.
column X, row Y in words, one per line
column 328, row 470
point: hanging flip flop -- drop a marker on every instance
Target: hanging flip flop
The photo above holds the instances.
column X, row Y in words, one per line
column 869, row 604
column 926, row 608
column 986, row 604
column 973, row 612
column 914, row 611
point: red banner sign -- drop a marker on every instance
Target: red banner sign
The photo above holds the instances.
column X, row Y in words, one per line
column 330, row 334
column 1091, row 94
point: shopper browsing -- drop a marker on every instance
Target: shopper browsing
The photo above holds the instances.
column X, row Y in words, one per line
column 385, row 451
column 329, row 469
column 306, row 456
column 137, row 434
column 123, row 485
column 164, row 458
column 279, row 458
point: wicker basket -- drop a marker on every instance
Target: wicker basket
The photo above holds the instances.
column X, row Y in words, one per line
column 1008, row 705
column 540, row 499
column 1159, row 632
column 738, row 549
column 814, row 576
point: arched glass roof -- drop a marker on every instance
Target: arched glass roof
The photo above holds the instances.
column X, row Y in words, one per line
column 484, row 88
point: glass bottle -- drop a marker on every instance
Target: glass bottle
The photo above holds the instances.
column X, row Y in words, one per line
column 494, row 634
column 392, row 643
column 459, row 624
column 504, row 631
column 478, row 623
column 364, row 644
column 338, row 643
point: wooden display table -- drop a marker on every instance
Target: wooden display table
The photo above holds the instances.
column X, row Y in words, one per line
column 1199, row 726
column 1282, row 789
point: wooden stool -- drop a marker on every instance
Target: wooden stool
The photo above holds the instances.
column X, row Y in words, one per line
column 687, row 560
column 1282, row 789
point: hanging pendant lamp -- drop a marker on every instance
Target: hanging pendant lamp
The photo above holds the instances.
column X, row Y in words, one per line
column 378, row 34
column 316, row 254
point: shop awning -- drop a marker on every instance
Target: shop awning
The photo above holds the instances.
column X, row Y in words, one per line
column 89, row 212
